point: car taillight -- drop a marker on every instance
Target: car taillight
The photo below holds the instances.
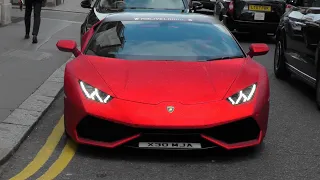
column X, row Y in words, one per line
column 231, row 7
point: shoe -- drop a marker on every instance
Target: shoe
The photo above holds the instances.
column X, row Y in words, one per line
column 34, row 40
column 26, row 36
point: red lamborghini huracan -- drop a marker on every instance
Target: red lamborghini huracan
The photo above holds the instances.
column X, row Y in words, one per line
column 169, row 81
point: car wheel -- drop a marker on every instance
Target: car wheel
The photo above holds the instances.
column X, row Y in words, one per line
column 279, row 66
column 67, row 135
column 318, row 78
column 65, row 131
column 318, row 90
column 225, row 23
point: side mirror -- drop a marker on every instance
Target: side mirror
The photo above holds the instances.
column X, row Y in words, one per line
column 196, row 5
column 68, row 46
column 258, row 49
column 86, row 4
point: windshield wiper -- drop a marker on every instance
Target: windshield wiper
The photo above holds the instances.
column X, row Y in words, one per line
column 225, row 57
column 109, row 9
column 137, row 8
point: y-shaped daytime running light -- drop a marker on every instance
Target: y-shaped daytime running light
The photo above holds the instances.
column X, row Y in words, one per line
column 242, row 96
column 94, row 94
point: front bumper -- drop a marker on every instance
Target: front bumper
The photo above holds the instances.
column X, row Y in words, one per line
column 91, row 123
column 265, row 27
column 106, row 133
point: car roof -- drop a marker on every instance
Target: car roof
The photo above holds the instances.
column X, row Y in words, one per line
column 161, row 16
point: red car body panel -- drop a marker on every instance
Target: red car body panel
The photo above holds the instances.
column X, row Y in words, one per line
column 87, row 36
column 188, row 82
column 143, row 89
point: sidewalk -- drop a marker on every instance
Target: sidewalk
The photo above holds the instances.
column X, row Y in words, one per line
column 31, row 75
column 68, row 6
column 71, row 6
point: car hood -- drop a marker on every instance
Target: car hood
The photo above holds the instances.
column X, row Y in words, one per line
column 154, row 82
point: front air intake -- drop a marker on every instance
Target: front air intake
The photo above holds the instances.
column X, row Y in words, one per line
column 235, row 132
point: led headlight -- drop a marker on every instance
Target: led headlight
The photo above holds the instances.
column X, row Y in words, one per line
column 242, row 96
column 94, row 93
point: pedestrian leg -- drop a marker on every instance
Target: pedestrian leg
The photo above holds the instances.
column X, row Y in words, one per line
column 27, row 17
column 37, row 20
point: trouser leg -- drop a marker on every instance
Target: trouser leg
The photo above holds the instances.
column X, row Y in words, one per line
column 27, row 15
column 37, row 17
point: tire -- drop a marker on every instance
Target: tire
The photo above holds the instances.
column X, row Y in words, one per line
column 279, row 66
column 318, row 90
column 226, row 23
column 65, row 131
column 67, row 135
column 318, row 77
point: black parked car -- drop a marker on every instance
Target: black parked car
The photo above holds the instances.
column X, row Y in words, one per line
column 298, row 44
column 102, row 8
column 261, row 16
column 208, row 4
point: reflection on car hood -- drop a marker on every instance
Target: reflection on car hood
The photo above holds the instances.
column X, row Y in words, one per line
column 158, row 81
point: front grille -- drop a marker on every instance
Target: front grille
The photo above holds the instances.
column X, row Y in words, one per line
column 101, row 130
column 106, row 131
column 235, row 132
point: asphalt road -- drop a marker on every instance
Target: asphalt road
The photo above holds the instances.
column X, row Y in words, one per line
column 290, row 151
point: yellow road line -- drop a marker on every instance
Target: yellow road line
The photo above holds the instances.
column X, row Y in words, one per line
column 61, row 163
column 44, row 153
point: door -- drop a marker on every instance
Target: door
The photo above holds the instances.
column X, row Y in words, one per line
column 302, row 32
column 311, row 36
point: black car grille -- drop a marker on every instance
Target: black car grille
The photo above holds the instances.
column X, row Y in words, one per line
column 96, row 129
column 238, row 131
column 101, row 130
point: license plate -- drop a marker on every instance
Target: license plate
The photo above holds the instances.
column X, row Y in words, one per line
column 259, row 16
column 171, row 145
column 260, row 8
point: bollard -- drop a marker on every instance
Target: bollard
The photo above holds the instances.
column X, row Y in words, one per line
column 5, row 11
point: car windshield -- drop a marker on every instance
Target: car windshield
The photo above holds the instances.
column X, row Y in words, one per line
column 164, row 40
column 141, row 4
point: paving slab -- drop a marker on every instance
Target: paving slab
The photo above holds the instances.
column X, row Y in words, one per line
column 22, row 117
column 36, row 103
column 31, row 76
column 10, row 136
column 4, row 112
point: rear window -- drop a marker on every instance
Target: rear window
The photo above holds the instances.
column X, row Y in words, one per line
column 153, row 4
column 163, row 40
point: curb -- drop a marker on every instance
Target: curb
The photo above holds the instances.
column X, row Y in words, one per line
column 18, row 125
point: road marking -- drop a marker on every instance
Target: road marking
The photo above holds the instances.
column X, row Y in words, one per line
column 44, row 153
column 61, row 163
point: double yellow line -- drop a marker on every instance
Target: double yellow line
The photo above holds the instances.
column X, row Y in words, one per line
column 44, row 154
